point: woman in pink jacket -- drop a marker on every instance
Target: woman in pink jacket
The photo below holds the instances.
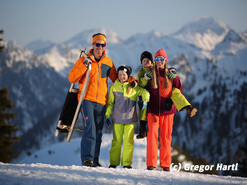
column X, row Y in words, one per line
column 160, row 113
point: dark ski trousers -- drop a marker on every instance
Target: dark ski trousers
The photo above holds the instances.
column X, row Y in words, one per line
column 93, row 115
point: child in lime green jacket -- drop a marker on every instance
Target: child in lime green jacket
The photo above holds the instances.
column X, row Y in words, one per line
column 122, row 100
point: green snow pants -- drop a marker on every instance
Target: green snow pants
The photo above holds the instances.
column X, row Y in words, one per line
column 178, row 99
column 128, row 144
column 143, row 114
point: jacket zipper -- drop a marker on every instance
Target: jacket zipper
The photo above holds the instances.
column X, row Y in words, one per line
column 115, row 116
column 97, row 84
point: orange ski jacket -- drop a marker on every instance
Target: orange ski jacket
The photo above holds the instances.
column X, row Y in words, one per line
column 98, row 82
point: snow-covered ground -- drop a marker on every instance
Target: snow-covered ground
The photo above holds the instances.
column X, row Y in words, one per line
column 67, row 154
column 45, row 174
column 60, row 164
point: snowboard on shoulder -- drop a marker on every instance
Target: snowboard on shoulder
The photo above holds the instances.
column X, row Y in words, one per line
column 71, row 106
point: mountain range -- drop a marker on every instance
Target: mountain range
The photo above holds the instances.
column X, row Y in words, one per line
column 210, row 59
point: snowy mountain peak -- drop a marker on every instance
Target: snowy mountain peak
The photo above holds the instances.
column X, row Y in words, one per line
column 40, row 46
column 150, row 36
column 232, row 36
column 244, row 35
column 232, row 43
column 153, row 35
column 16, row 54
column 202, row 25
column 204, row 33
column 85, row 38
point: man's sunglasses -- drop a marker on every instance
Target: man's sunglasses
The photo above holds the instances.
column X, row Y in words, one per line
column 159, row 59
column 98, row 45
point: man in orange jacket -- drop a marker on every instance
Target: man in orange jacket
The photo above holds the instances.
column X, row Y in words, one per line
column 94, row 104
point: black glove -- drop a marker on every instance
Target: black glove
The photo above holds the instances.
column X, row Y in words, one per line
column 87, row 61
column 133, row 84
column 148, row 75
column 142, row 104
column 168, row 104
column 108, row 122
column 172, row 73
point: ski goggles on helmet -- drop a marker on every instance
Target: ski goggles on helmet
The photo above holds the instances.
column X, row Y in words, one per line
column 159, row 59
column 98, row 45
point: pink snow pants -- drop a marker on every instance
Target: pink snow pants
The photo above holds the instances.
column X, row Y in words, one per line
column 165, row 123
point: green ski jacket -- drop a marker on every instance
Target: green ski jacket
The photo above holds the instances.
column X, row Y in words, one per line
column 124, row 103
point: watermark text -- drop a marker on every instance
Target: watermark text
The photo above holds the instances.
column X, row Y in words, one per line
column 203, row 168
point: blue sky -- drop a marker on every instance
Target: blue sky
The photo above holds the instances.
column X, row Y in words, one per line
column 59, row 20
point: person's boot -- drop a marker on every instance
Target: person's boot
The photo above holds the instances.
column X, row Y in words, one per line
column 166, row 169
column 112, row 166
column 150, row 168
column 87, row 163
column 127, row 167
column 96, row 164
column 142, row 130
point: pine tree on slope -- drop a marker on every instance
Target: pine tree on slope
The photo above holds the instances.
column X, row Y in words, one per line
column 7, row 131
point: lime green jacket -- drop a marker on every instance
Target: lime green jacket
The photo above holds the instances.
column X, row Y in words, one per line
column 124, row 103
column 142, row 81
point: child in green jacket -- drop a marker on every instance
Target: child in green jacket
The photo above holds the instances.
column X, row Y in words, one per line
column 124, row 116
